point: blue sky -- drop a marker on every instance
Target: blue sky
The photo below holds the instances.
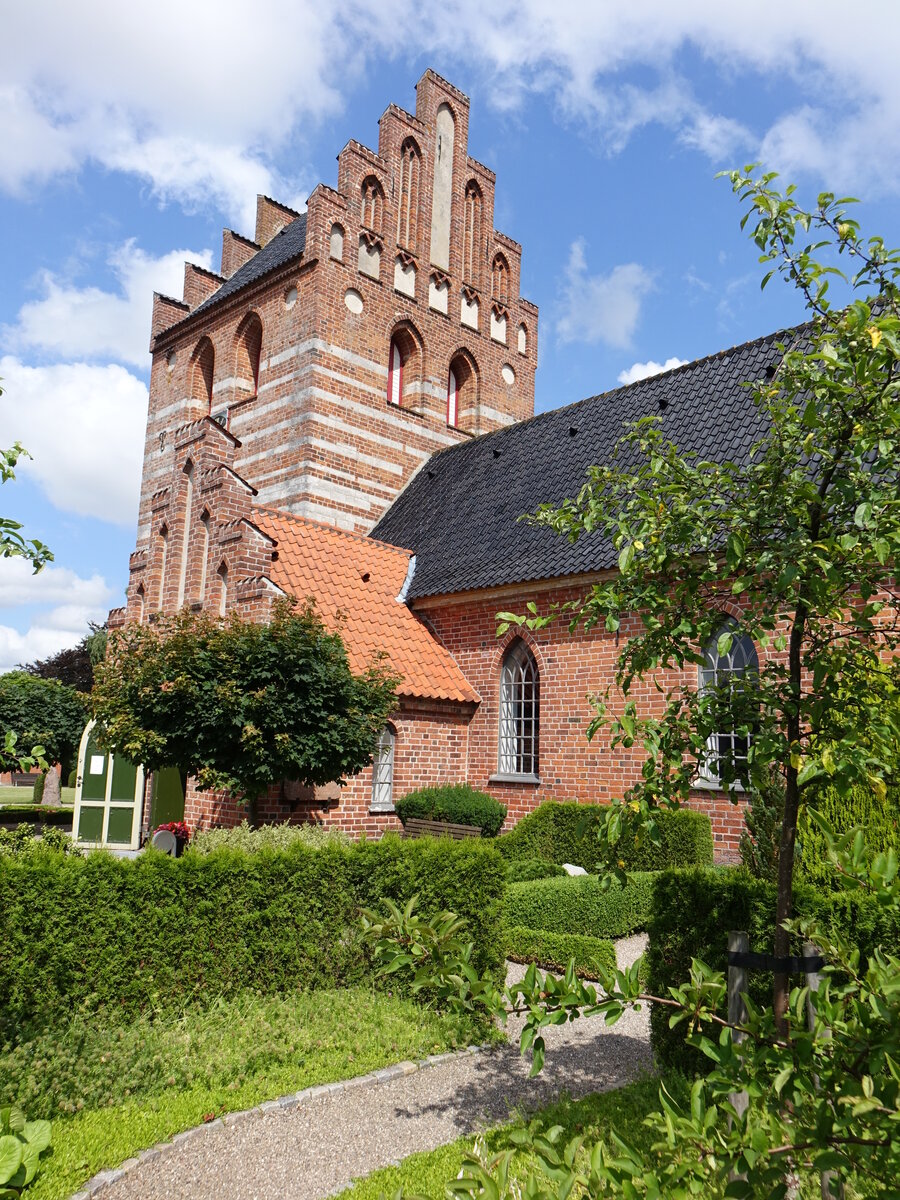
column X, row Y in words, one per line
column 133, row 134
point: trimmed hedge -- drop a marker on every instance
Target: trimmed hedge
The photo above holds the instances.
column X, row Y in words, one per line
column 36, row 814
column 692, row 914
column 456, row 803
column 524, row 870
column 554, row 951
column 568, row 833
column 131, row 935
column 578, row 905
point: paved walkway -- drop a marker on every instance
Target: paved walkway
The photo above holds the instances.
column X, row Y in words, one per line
column 314, row 1151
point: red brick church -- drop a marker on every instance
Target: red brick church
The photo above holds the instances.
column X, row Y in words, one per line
column 346, row 411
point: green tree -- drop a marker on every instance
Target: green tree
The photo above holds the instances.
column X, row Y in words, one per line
column 12, row 542
column 801, row 538
column 43, row 712
column 801, row 535
column 238, row 704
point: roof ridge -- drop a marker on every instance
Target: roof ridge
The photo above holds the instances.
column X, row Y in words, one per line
column 350, row 533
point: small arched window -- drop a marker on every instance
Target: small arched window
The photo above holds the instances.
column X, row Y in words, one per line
column 500, row 279
column 186, row 529
column 204, row 554
column 163, row 556
column 522, row 339
column 248, row 347
column 203, row 363
column 395, row 374
column 452, row 398
column 472, row 250
column 519, row 712
column 372, row 206
column 728, row 671
column 222, row 575
column 383, row 771
column 139, row 597
column 408, row 206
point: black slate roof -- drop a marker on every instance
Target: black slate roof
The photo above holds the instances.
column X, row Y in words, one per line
column 289, row 243
column 459, row 514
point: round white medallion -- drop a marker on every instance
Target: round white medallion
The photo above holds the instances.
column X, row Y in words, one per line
column 509, row 375
column 290, row 297
column 353, row 300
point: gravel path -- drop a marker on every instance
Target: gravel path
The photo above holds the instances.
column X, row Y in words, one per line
column 311, row 1152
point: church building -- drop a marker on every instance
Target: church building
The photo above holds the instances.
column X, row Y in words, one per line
column 346, row 411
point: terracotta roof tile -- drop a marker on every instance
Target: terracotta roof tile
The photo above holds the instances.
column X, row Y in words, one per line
column 355, row 582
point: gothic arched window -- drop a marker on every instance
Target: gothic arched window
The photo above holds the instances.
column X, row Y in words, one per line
column 203, row 362
column 248, row 346
column 383, row 771
column 395, row 374
column 452, row 398
column 519, row 712
column 408, row 207
column 163, row 555
column 500, row 279
column 372, row 211
column 472, row 233
column 727, row 673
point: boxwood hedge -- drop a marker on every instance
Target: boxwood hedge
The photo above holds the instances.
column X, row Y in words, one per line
column 457, row 803
column 692, row 913
column 554, row 951
column 578, row 905
column 567, row 833
column 155, row 931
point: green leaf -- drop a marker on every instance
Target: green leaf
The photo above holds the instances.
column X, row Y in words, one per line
column 626, row 557
column 10, row 1156
column 37, row 1133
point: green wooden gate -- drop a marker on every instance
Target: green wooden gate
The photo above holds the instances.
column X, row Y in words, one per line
column 109, row 795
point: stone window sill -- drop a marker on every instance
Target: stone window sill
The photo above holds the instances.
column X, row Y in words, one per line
column 714, row 785
column 502, row 777
column 380, row 810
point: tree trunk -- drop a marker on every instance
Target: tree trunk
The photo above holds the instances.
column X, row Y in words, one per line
column 785, row 900
column 50, row 795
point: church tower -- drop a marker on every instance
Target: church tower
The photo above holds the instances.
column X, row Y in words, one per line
column 338, row 349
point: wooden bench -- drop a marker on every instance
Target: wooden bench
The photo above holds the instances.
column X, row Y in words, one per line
column 417, row 827
column 20, row 779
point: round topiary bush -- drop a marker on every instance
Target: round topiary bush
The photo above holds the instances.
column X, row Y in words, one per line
column 456, row 803
column 524, row 870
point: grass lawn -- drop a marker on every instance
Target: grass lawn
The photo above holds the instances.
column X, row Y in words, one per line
column 113, row 1090
column 19, row 796
column 426, row 1174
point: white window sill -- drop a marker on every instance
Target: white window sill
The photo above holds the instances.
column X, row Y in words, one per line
column 714, row 785
column 381, row 809
column 503, row 777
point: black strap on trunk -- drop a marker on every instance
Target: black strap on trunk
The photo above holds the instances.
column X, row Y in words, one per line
column 794, row 964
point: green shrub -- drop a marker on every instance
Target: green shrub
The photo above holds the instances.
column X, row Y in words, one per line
column 554, row 951
column 73, row 778
column 456, row 803
column 37, row 788
column 577, row 904
column 567, row 833
column 861, row 807
column 265, row 837
column 524, row 870
column 129, row 935
column 22, row 841
column 23, row 1142
column 692, row 914
column 31, row 813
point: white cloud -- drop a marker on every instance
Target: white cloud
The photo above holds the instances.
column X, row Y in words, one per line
column 75, row 322
column 643, row 370
column 65, row 602
column 601, row 308
column 204, row 107
column 84, row 426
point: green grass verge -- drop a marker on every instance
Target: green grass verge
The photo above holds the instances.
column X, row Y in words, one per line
column 21, row 798
column 162, row 1076
column 426, row 1174
column 554, row 951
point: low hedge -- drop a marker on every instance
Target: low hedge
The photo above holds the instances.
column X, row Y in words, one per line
column 578, row 905
column 456, row 803
column 36, row 814
column 524, row 870
column 692, row 914
column 554, row 951
column 130, row 935
column 567, row 833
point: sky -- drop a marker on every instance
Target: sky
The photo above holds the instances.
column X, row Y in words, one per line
column 132, row 133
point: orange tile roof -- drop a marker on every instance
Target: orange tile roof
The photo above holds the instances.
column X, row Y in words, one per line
column 355, row 582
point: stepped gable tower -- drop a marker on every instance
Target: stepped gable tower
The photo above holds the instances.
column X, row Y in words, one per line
column 337, row 349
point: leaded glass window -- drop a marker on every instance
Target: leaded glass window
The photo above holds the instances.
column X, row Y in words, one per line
column 728, row 674
column 519, row 712
column 383, row 772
